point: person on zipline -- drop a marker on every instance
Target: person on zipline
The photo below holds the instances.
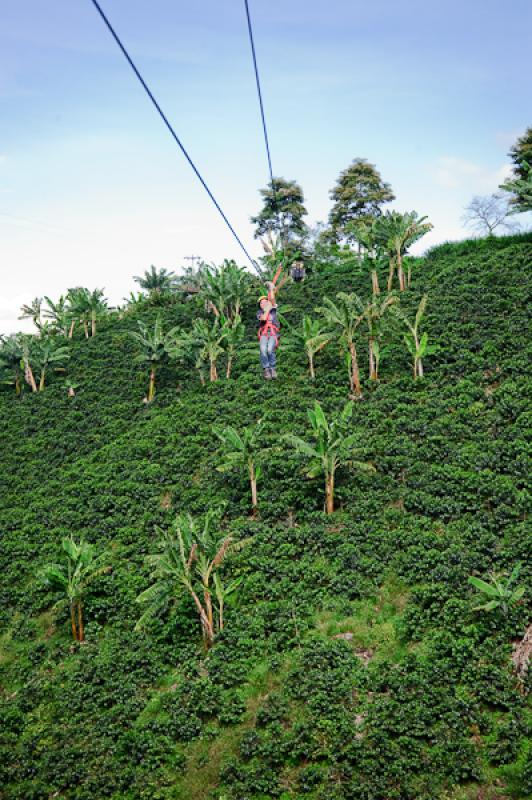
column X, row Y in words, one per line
column 268, row 335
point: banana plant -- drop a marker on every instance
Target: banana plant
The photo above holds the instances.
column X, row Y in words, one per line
column 332, row 448
column 50, row 354
column 191, row 553
column 501, row 590
column 242, row 450
column 156, row 346
column 417, row 345
column 71, row 578
column 345, row 317
column 314, row 339
column 234, row 332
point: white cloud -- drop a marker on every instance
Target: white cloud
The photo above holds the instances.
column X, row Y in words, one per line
column 451, row 172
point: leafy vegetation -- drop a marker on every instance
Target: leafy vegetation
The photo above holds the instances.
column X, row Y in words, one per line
column 352, row 662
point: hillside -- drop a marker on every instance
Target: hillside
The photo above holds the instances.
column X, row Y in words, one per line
column 352, row 666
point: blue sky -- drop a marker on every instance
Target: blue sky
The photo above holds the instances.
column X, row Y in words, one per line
column 93, row 190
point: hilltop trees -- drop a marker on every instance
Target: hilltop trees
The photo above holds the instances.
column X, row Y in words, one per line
column 192, row 553
column 32, row 311
column 519, row 185
column 282, row 214
column 71, row 579
column 332, row 447
column 358, row 195
column 486, row 214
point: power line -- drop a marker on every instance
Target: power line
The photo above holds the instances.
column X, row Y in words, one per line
column 172, row 131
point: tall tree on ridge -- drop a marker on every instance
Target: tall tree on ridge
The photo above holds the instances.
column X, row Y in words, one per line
column 358, row 195
column 282, row 214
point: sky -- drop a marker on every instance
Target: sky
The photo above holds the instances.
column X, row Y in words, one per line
column 93, row 190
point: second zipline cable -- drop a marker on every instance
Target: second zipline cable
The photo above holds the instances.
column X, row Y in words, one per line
column 172, row 131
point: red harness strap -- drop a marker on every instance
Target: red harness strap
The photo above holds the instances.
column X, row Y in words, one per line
column 269, row 329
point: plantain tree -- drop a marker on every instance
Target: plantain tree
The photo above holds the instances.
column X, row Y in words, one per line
column 396, row 233
column 32, row 311
column 205, row 341
column 373, row 312
column 190, row 557
column 332, row 446
column 345, row 317
column 60, row 316
column 224, row 289
column 80, row 566
column 242, row 450
column 11, row 364
column 155, row 348
column 314, row 339
column 418, row 345
column 50, row 354
column 156, row 282
column 234, row 332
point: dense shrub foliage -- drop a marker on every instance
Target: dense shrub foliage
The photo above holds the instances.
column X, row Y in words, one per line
column 352, row 666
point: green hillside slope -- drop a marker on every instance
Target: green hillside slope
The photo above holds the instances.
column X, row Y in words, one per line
column 353, row 666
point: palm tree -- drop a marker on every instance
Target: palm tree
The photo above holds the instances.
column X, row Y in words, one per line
column 32, row 311
column 314, row 339
column 234, row 332
column 205, row 340
column 396, row 233
column 190, row 555
column 50, row 353
column 72, row 578
column 332, row 448
column 156, row 346
column 373, row 311
column 345, row 316
column 156, row 281
column 418, row 346
column 365, row 232
column 242, row 450
column 97, row 307
column 11, row 370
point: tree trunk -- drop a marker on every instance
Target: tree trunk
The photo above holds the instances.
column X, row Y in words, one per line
column 86, row 328
column 93, row 324
column 372, row 368
column 253, row 482
column 73, row 622
column 420, row 368
column 355, row 373
column 81, row 630
column 409, row 276
column 311, row 366
column 213, row 371
column 376, row 289
column 71, row 392
column 390, row 273
column 400, row 273
column 29, row 376
column 151, row 389
column 329, row 493
column 17, row 385
column 41, row 382
column 221, row 614
column 229, row 367
column 207, row 630
column 71, row 329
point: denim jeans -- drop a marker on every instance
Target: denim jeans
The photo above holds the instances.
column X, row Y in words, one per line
column 267, row 351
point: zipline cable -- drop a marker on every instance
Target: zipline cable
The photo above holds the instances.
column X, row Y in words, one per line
column 259, row 92
column 172, row 132
column 264, row 126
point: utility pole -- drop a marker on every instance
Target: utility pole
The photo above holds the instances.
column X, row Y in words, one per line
column 193, row 260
